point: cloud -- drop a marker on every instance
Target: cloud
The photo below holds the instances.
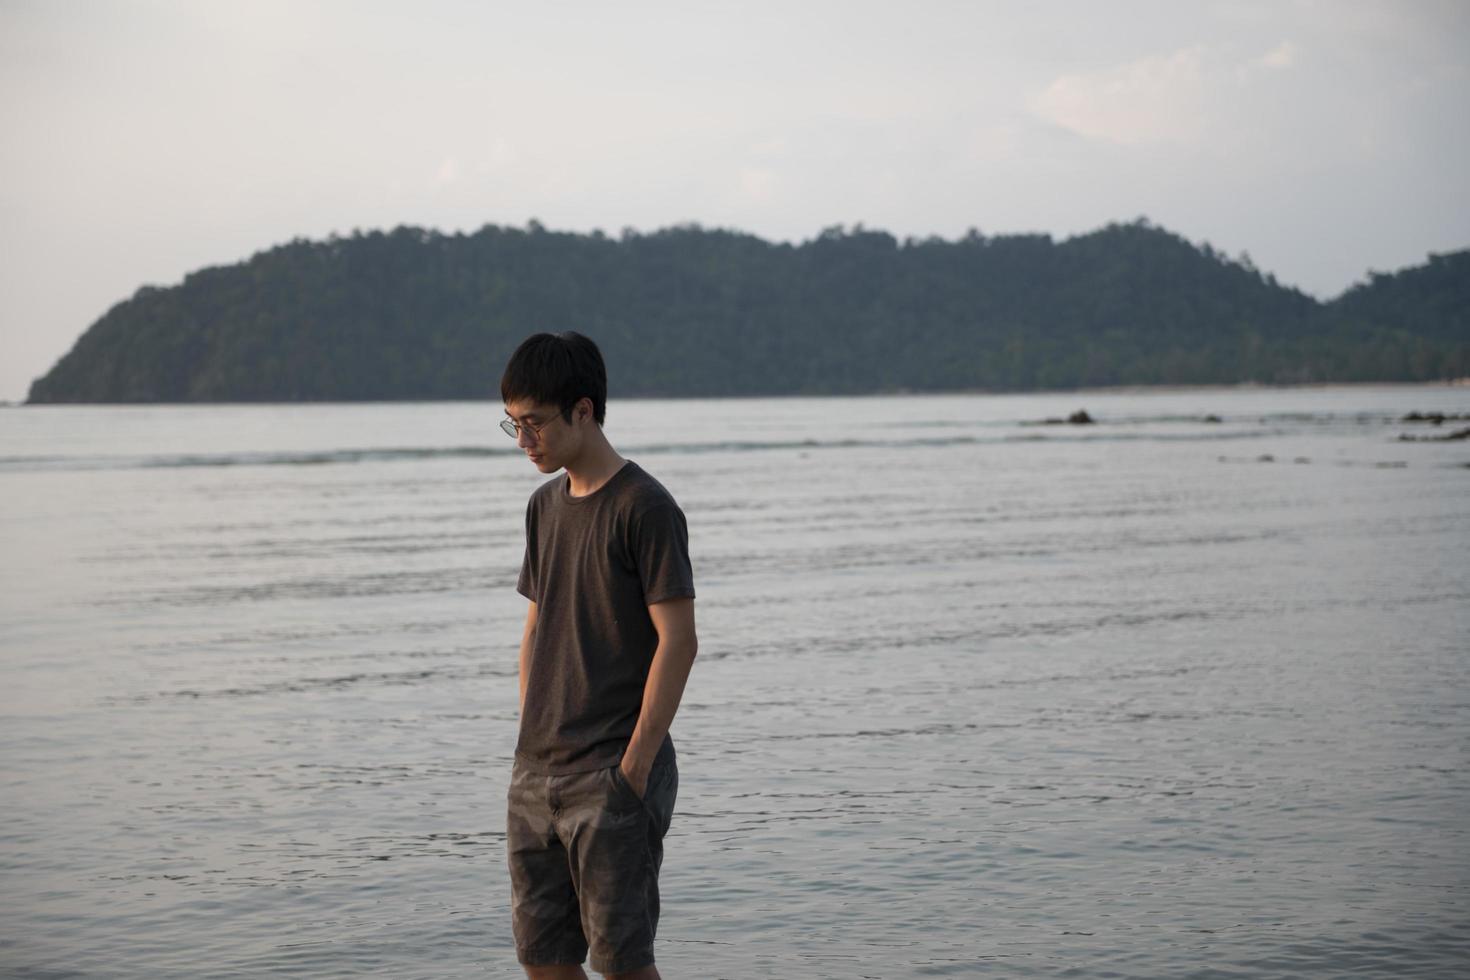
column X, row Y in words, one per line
column 757, row 183
column 1152, row 100
column 1282, row 56
column 1176, row 98
column 995, row 142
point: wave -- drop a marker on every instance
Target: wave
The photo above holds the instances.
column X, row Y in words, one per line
column 1126, row 429
column 319, row 457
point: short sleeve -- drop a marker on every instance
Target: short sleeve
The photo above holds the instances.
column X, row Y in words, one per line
column 660, row 548
column 526, row 584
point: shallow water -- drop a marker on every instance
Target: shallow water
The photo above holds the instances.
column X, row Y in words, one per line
column 975, row 696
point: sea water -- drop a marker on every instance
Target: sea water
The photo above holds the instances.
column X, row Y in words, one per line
column 1181, row 692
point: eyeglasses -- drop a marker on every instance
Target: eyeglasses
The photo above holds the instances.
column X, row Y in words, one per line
column 512, row 428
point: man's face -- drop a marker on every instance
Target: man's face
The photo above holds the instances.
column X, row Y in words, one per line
column 545, row 435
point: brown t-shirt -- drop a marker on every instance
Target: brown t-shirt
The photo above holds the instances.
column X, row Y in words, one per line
column 593, row 566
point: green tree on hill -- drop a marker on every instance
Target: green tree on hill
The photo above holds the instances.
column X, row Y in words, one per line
column 416, row 314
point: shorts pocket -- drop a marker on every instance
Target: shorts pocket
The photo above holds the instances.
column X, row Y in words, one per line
column 621, row 784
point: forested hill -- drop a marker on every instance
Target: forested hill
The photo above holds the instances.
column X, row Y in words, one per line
column 414, row 314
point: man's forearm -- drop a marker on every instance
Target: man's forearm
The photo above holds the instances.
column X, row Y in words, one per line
column 523, row 661
column 663, row 691
column 521, row 672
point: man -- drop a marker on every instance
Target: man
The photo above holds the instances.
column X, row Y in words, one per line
column 608, row 643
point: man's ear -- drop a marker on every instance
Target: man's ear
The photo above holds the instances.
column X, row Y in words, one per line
column 577, row 409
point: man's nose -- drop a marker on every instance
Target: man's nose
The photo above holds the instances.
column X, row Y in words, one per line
column 525, row 437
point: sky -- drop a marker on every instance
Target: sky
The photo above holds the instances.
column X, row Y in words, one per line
column 140, row 141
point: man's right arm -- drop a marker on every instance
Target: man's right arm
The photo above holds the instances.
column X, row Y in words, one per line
column 528, row 640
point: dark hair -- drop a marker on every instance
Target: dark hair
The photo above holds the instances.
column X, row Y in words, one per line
column 557, row 369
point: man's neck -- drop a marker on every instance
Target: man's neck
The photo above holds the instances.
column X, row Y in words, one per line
column 597, row 464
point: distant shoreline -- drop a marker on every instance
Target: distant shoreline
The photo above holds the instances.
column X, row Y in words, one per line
column 973, row 392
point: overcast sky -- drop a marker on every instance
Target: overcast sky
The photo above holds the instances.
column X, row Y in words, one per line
column 146, row 139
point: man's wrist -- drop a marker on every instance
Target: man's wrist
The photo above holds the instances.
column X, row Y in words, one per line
column 637, row 758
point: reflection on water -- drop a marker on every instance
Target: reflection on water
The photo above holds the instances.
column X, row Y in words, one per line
column 1153, row 697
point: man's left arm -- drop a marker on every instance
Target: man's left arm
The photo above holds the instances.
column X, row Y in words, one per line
column 677, row 644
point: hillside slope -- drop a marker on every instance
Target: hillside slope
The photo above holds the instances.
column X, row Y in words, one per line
column 415, row 314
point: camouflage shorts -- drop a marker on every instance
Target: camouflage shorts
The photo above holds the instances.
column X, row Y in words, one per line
column 584, row 855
